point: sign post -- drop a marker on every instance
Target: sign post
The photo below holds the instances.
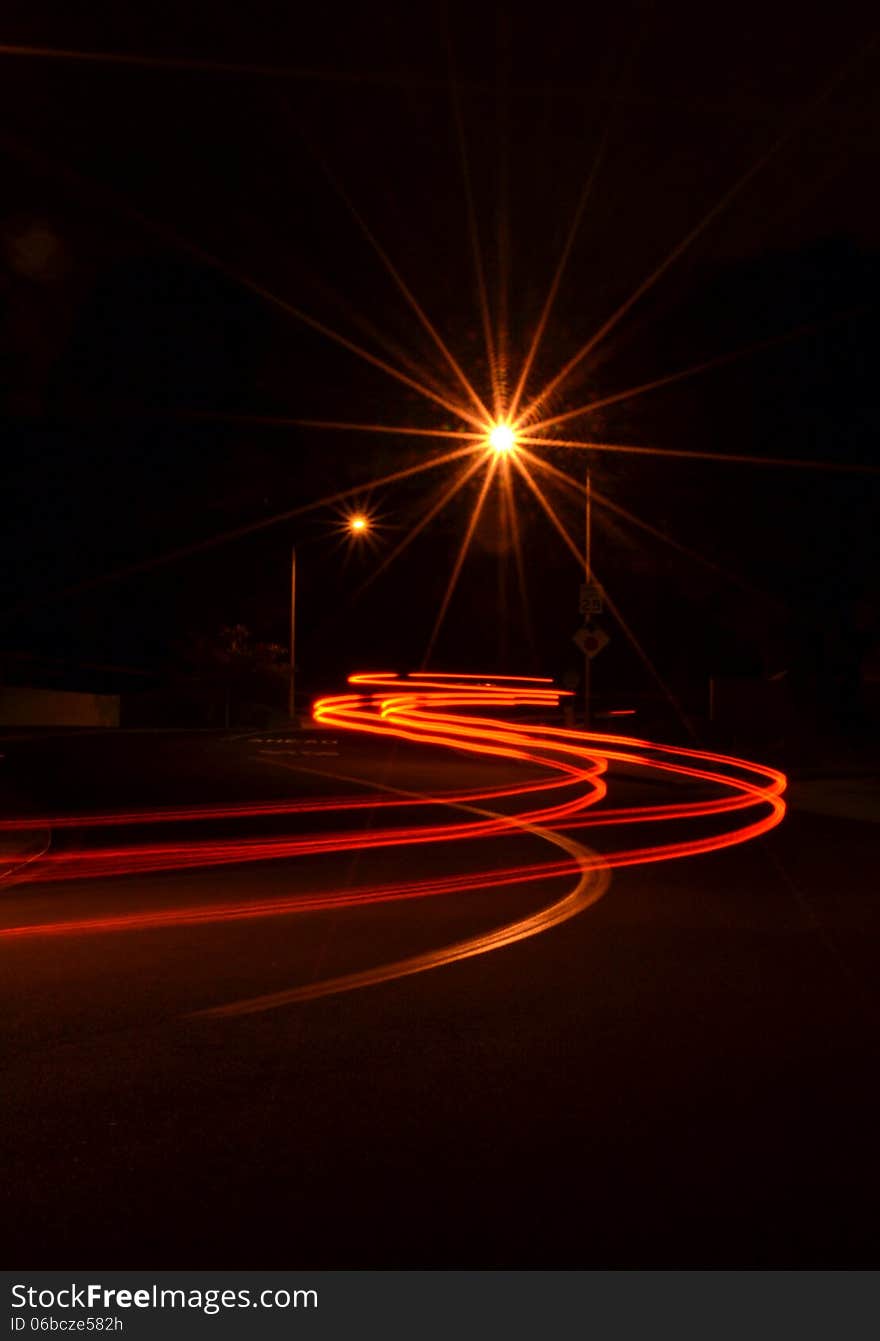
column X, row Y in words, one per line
column 588, row 581
column 291, row 689
column 591, row 602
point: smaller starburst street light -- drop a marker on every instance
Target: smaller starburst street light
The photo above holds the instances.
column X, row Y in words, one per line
column 355, row 524
column 501, row 438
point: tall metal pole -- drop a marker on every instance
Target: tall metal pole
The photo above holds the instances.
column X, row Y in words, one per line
column 291, row 692
column 588, row 577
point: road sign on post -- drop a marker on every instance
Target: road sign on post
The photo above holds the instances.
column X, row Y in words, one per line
column 591, row 599
column 591, row 639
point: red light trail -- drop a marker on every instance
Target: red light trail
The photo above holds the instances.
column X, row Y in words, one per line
column 561, row 798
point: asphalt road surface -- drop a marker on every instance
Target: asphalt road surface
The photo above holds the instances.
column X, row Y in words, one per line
column 683, row 1075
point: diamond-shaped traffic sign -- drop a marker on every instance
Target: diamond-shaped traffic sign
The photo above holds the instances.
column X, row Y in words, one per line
column 591, row 639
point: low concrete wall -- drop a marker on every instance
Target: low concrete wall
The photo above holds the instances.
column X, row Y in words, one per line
column 56, row 707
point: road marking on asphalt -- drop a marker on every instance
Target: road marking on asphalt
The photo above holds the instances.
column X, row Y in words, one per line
column 9, row 874
column 289, row 740
column 329, row 754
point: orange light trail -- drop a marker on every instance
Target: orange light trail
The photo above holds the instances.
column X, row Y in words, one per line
column 560, row 798
column 421, row 708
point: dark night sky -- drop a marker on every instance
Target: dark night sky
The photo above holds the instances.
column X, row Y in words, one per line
column 119, row 180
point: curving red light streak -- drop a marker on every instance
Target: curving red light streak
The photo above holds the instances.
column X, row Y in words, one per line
column 559, row 800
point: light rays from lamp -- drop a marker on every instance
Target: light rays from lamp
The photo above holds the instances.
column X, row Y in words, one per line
column 460, row 558
column 499, row 441
column 443, row 500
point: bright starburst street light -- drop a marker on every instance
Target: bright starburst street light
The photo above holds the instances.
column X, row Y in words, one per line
column 501, row 438
column 501, row 433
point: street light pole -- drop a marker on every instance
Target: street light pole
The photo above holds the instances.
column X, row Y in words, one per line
column 357, row 524
column 588, row 577
column 291, row 691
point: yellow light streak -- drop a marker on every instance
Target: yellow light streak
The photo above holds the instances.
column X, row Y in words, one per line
column 492, row 441
column 541, row 326
column 476, row 253
column 795, row 124
column 604, row 501
column 685, row 454
column 612, row 606
column 519, row 562
column 646, row 661
column 238, row 533
column 576, row 489
column 549, row 510
column 184, row 244
column 343, row 426
column 332, row 425
column 705, row 365
column 379, row 78
column 460, row 558
column 403, row 287
column 446, row 497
